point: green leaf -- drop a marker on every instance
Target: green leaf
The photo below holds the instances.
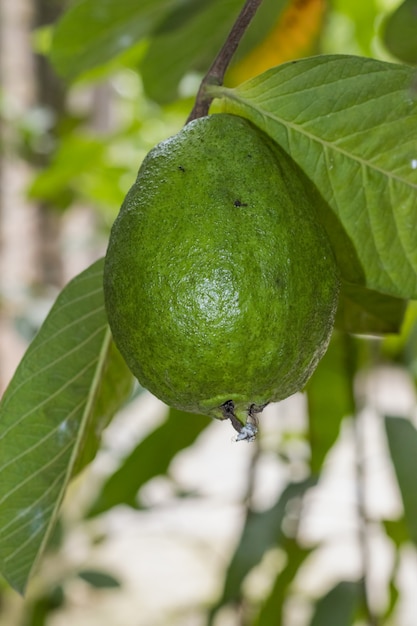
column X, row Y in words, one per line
column 400, row 32
column 99, row 580
column 394, row 596
column 330, row 399
column 397, row 530
column 402, row 441
column 409, row 356
column 76, row 156
column 150, row 458
column 359, row 26
column 338, row 606
column 114, row 388
column 50, row 417
column 262, row 531
column 349, row 122
column 38, row 610
column 403, row 347
column 94, row 31
column 189, row 47
column 193, row 40
column 180, row 15
column 362, row 311
column 272, row 609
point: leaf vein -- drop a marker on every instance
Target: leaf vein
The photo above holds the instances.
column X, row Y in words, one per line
column 324, row 143
column 50, row 397
column 43, row 439
column 39, row 471
column 42, row 371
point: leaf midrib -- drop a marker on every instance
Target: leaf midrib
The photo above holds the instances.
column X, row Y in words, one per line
column 95, row 384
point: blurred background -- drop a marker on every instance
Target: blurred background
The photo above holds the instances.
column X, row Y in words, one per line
column 174, row 522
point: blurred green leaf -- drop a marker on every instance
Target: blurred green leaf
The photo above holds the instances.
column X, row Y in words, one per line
column 92, row 32
column 193, row 44
column 359, row 27
column 330, row 399
column 402, row 441
column 38, row 610
column 189, row 47
column 99, row 580
column 76, row 155
column 180, row 15
column 402, row 347
column 50, row 416
column 409, row 355
column 394, row 596
column 365, row 312
column 349, row 122
column 262, row 531
column 272, row 608
column 397, row 530
column 150, row 458
column 400, row 32
column 338, row 606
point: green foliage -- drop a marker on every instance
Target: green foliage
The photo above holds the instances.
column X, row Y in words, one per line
column 142, row 463
column 367, row 312
column 73, row 171
column 181, row 35
column 272, row 609
column 99, row 580
column 190, row 46
column 402, row 440
column 262, row 531
column 94, row 31
column 343, row 601
column 400, row 32
column 41, row 608
column 67, row 387
column 352, row 27
column 193, row 43
column 330, row 399
column 340, row 118
column 349, row 123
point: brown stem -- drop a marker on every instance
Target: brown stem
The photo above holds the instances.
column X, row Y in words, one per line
column 217, row 70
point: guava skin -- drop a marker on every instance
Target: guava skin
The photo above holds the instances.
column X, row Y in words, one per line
column 220, row 284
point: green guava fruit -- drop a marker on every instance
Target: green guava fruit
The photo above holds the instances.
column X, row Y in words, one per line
column 220, row 284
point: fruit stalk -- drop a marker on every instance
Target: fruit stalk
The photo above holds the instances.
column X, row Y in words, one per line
column 217, row 70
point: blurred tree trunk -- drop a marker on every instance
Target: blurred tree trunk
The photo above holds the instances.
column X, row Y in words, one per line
column 19, row 254
column 51, row 98
column 39, row 246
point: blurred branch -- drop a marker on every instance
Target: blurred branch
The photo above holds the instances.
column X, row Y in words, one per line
column 363, row 527
column 360, row 476
column 251, row 483
column 217, row 70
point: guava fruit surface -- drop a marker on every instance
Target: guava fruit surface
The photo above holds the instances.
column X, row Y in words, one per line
column 220, row 283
